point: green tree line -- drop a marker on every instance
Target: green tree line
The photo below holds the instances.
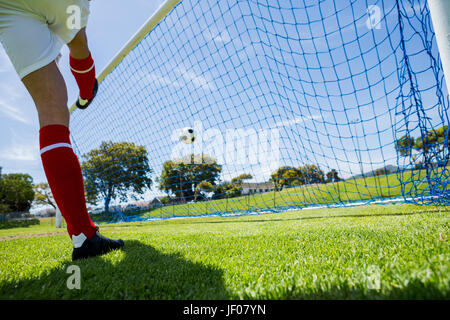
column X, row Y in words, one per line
column 16, row 192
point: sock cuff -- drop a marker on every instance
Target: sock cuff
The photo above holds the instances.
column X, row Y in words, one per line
column 54, row 135
column 81, row 65
column 78, row 240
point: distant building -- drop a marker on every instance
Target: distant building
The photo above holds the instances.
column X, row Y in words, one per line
column 142, row 205
column 257, row 187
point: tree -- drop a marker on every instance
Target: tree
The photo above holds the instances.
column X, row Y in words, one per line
column 428, row 147
column 233, row 191
column 226, row 189
column 333, row 176
column 4, row 208
column 427, row 141
column 16, row 192
column 285, row 176
column 116, row 170
column 404, row 145
column 310, row 173
column 443, row 134
column 182, row 176
column 166, row 200
column 203, row 188
column 381, row 172
column 43, row 195
column 433, row 143
column 240, row 178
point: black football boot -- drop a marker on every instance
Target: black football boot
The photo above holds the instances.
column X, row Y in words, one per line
column 84, row 103
column 96, row 246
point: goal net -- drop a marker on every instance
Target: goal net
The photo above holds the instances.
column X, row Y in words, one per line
column 293, row 104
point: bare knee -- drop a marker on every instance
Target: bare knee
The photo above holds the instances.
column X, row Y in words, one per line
column 53, row 114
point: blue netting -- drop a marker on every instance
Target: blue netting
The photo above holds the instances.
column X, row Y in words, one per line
column 347, row 97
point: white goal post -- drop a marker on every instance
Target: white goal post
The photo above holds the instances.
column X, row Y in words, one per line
column 440, row 16
column 58, row 218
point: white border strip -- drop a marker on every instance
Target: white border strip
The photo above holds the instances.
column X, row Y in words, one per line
column 83, row 71
column 54, row 146
column 148, row 26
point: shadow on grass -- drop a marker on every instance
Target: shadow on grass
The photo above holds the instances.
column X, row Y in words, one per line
column 142, row 272
column 18, row 223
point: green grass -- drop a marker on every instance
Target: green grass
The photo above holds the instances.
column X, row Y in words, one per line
column 35, row 226
column 361, row 189
column 309, row 254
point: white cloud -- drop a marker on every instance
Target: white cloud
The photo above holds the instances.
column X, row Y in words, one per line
column 11, row 89
column 162, row 80
column 219, row 37
column 20, row 152
column 197, row 80
column 13, row 98
column 222, row 37
column 13, row 112
column 185, row 76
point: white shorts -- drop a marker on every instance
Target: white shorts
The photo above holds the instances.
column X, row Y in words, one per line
column 34, row 31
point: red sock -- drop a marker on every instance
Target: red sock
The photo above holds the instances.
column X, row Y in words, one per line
column 64, row 177
column 84, row 72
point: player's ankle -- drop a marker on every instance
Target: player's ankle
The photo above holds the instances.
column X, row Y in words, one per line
column 84, row 72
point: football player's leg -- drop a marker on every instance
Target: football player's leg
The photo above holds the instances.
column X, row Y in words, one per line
column 32, row 48
column 83, row 67
column 69, row 20
column 61, row 166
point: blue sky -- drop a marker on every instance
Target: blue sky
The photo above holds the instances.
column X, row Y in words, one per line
column 111, row 24
column 321, row 86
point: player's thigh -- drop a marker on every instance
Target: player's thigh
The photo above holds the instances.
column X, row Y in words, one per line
column 28, row 42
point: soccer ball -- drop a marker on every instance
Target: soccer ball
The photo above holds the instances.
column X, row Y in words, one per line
column 187, row 135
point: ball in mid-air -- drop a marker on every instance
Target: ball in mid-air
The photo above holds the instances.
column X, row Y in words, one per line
column 187, row 135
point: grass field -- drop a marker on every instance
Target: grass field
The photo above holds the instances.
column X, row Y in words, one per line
column 354, row 190
column 309, row 254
